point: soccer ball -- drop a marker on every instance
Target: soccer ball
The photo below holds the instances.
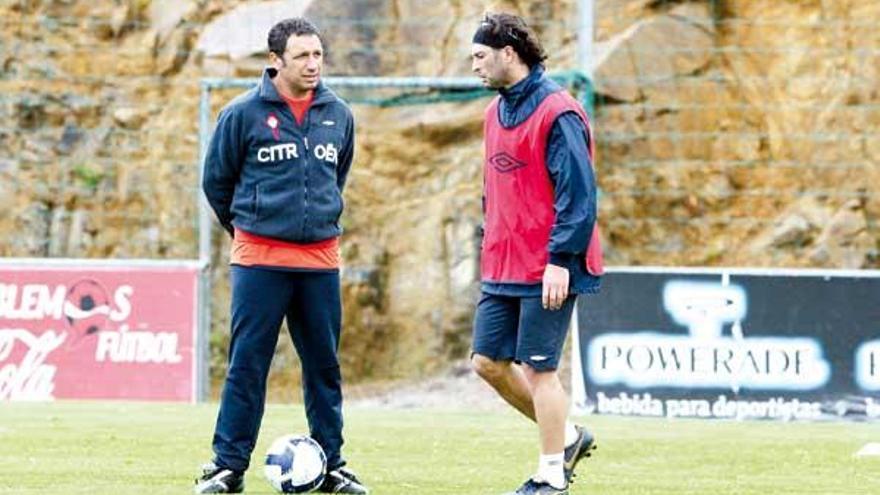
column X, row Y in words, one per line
column 295, row 464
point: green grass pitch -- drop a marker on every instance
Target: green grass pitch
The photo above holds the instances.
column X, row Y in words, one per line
column 119, row 448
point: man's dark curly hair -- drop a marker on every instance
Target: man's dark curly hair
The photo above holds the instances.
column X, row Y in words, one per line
column 295, row 26
column 522, row 38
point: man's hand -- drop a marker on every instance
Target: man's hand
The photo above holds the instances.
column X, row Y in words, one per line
column 555, row 287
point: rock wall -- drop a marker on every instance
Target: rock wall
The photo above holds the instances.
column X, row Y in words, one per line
column 749, row 142
column 729, row 133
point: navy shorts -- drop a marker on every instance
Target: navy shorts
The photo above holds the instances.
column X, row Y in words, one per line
column 520, row 329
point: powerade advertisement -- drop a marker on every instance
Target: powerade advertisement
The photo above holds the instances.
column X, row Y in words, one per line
column 733, row 344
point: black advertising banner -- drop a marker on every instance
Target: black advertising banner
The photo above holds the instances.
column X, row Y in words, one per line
column 737, row 344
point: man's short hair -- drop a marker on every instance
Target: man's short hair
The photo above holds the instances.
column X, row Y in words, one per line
column 283, row 30
column 500, row 30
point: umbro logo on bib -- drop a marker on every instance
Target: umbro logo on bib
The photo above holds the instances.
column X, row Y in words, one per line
column 505, row 163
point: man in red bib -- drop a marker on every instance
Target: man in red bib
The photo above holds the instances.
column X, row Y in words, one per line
column 541, row 242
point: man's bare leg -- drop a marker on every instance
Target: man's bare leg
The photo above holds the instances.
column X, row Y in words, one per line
column 550, row 404
column 508, row 380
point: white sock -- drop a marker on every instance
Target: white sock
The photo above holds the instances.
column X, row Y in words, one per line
column 571, row 434
column 550, row 469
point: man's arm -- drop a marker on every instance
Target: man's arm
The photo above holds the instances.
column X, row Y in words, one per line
column 222, row 167
column 346, row 156
column 568, row 162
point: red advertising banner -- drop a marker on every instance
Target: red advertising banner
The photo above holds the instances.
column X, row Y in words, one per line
column 98, row 332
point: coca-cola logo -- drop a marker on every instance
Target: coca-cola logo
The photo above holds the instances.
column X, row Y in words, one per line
column 89, row 336
column 31, row 378
column 85, row 306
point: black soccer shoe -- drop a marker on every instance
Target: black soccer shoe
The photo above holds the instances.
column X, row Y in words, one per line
column 535, row 487
column 341, row 480
column 582, row 447
column 216, row 479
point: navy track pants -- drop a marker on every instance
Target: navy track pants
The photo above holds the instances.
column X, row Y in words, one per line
column 261, row 299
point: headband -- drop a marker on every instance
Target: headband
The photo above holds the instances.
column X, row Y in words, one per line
column 485, row 36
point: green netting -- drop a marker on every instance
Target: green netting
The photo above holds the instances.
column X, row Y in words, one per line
column 576, row 81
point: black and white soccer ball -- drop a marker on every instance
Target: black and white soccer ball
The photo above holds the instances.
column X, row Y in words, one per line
column 295, row 464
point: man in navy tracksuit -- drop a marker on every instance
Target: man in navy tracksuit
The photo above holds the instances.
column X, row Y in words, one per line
column 274, row 175
column 541, row 243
